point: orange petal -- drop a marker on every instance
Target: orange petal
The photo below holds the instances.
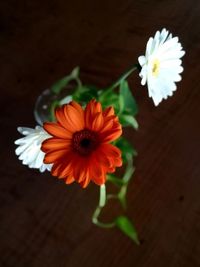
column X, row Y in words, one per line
column 74, row 121
column 101, row 158
column 109, row 123
column 69, row 180
column 56, row 169
column 97, row 122
column 56, row 130
column 92, row 108
column 112, row 136
column 62, row 168
column 99, row 180
column 107, row 126
column 111, row 151
column 109, row 111
column 118, row 162
column 78, row 108
column 97, row 172
column 60, row 116
column 86, row 181
column 79, row 166
column 111, row 170
column 87, row 114
column 55, row 144
column 52, row 157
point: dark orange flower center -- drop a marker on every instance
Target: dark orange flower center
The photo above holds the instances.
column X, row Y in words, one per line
column 85, row 141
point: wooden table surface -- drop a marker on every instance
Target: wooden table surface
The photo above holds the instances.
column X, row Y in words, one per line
column 43, row 222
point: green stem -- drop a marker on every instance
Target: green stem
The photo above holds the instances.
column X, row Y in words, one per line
column 121, row 195
column 62, row 83
column 79, row 83
column 115, row 180
column 102, row 199
column 102, row 202
column 96, row 221
column 123, row 77
column 129, row 169
column 112, row 196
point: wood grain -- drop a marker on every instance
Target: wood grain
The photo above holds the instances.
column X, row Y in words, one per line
column 43, row 222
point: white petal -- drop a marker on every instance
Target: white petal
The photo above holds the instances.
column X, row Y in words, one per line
column 39, row 159
column 25, row 130
column 21, row 149
column 149, row 47
column 142, row 60
column 163, row 36
column 167, row 52
column 29, row 147
column 49, row 166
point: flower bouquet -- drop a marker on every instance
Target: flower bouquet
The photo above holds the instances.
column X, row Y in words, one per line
column 80, row 137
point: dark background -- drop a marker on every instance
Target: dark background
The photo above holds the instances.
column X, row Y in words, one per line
column 43, row 222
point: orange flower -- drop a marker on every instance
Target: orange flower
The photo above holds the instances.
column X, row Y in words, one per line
column 80, row 149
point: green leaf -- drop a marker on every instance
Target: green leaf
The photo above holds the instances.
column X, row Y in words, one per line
column 122, row 196
column 75, row 73
column 53, row 106
column 60, row 84
column 121, row 104
column 130, row 104
column 115, row 180
column 125, row 147
column 126, row 226
column 85, row 93
column 110, row 99
column 128, row 120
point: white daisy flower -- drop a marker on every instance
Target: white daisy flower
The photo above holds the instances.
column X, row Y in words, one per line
column 29, row 147
column 161, row 66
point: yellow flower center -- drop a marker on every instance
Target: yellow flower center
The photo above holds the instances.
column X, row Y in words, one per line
column 156, row 67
